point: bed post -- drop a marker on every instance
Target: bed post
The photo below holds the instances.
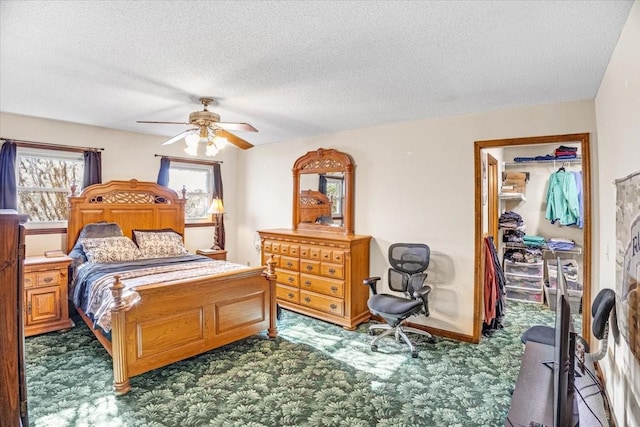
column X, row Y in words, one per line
column 118, row 344
column 270, row 274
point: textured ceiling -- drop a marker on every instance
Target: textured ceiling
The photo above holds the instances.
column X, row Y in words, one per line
column 295, row 69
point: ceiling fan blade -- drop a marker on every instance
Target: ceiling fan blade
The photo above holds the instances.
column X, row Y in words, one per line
column 235, row 140
column 179, row 136
column 164, row 123
column 235, row 126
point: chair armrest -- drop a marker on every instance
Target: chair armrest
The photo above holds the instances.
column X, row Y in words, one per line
column 371, row 282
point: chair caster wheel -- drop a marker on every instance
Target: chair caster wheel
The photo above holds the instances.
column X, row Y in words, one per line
column 414, row 354
column 371, row 332
column 374, row 348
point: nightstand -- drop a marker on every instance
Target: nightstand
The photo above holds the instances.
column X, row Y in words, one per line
column 219, row 254
column 46, row 306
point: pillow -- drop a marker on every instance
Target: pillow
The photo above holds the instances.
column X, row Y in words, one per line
column 159, row 244
column 159, row 230
column 110, row 249
column 94, row 229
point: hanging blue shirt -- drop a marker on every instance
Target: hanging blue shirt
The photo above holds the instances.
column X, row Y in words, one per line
column 562, row 199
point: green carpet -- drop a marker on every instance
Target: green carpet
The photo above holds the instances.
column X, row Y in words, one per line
column 313, row 374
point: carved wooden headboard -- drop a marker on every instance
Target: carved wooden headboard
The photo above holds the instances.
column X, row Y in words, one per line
column 132, row 204
column 313, row 205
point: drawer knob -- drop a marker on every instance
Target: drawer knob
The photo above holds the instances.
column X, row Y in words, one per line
column 309, row 267
column 307, row 282
column 307, row 299
column 289, row 264
column 334, row 289
column 332, row 271
column 290, row 295
column 48, row 279
column 291, row 279
column 333, row 306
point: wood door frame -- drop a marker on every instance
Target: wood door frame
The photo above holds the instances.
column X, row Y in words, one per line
column 583, row 139
column 492, row 197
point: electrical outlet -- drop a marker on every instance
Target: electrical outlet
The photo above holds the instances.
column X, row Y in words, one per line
column 248, row 264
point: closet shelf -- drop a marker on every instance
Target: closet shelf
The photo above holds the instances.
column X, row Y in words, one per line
column 577, row 250
column 577, row 160
column 512, row 196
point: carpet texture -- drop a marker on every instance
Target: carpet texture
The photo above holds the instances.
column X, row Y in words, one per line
column 314, row 374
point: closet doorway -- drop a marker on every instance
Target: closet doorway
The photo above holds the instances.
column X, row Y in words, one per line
column 485, row 149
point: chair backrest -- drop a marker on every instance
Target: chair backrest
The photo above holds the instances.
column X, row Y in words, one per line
column 600, row 311
column 406, row 259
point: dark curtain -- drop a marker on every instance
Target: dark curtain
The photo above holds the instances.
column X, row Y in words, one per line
column 8, row 186
column 163, row 174
column 92, row 168
column 322, row 184
column 217, row 192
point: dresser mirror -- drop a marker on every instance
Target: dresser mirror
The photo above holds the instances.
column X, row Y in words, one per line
column 323, row 192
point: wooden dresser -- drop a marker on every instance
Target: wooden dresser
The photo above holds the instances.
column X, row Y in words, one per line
column 320, row 274
column 13, row 390
column 46, row 304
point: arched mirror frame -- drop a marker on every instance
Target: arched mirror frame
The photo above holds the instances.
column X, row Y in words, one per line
column 583, row 139
column 318, row 162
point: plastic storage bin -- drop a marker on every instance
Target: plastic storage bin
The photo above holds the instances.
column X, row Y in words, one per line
column 522, row 281
column 534, row 269
column 525, row 295
column 570, row 268
column 575, row 299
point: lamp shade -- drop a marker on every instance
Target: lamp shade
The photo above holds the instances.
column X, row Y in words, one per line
column 216, row 207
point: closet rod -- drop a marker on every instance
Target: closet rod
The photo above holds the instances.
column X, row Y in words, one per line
column 47, row 146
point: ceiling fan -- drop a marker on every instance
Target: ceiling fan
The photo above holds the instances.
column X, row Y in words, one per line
column 208, row 128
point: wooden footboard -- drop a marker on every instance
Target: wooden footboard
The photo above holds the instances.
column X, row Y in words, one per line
column 175, row 321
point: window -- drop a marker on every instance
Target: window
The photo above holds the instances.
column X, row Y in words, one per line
column 335, row 193
column 197, row 180
column 44, row 180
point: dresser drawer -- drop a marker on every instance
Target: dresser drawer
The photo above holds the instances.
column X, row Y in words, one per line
column 332, row 270
column 294, row 250
column 332, row 255
column 310, row 252
column 276, row 258
column 267, row 246
column 330, row 287
column 287, row 278
column 47, row 278
column 322, row 303
column 312, row 267
column 289, row 263
column 287, row 293
column 30, row 280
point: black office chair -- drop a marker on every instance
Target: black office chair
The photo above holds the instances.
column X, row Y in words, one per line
column 408, row 263
column 601, row 309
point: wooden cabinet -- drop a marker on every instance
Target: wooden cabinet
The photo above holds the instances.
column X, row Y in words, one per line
column 219, row 254
column 13, row 390
column 320, row 274
column 45, row 295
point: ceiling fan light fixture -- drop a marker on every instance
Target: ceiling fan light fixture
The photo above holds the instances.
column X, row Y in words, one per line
column 192, row 150
column 220, row 142
column 192, row 140
column 212, row 150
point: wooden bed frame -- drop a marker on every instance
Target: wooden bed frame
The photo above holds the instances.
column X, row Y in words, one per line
column 175, row 320
column 313, row 205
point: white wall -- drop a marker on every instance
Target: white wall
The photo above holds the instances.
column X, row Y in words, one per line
column 618, row 118
column 127, row 155
column 414, row 183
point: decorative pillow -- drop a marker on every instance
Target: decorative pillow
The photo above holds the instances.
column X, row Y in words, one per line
column 149, row 230
column 160, row 244
column 110, row 249
column 94, row 229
